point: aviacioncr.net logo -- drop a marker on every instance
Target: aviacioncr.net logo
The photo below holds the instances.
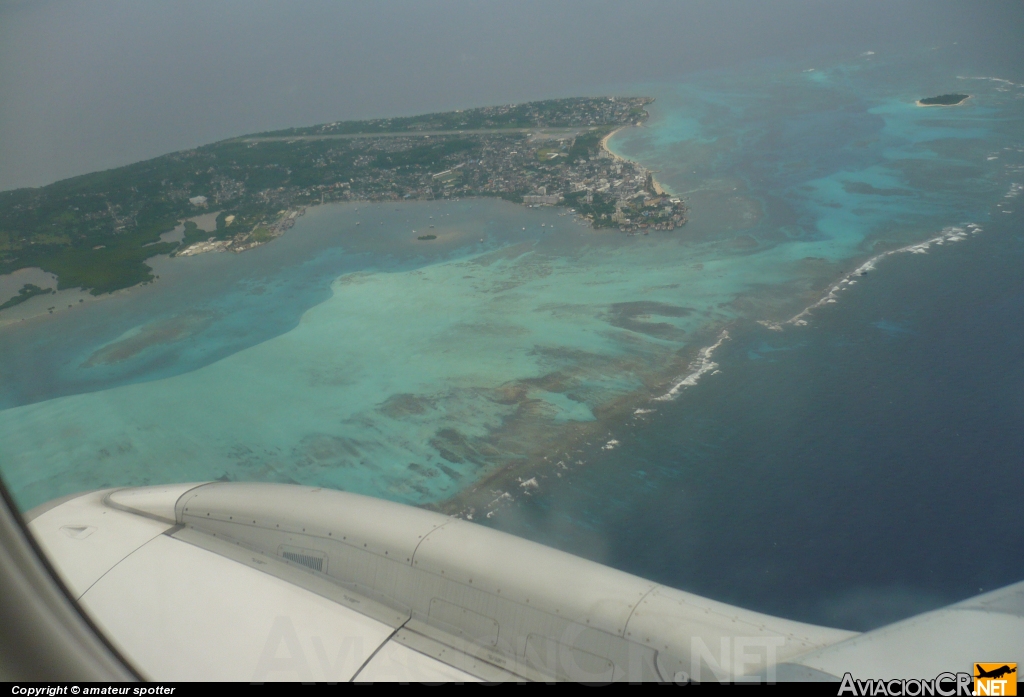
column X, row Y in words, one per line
column 943, row 685
column 995, row 679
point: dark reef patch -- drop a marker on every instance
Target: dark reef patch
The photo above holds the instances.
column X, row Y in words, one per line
column 399, row 405
column 868, row 189
column 634, row 316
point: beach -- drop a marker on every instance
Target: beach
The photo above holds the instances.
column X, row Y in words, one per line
column 644, row 400
column 658, row 188
column 960, row 103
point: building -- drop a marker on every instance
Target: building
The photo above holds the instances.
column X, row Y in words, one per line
column 545, row 200
column 447, row 177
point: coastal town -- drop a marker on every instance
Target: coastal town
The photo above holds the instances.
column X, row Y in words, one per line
column 96, row 231
column 562, row 159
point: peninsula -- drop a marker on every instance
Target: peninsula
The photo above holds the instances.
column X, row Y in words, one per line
column 96, row 231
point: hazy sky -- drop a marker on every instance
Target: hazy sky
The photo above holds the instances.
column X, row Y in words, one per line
column 92, row 84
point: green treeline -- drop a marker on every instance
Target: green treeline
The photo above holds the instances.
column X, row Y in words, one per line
column 96, row 230
column 586, row 145
column 552, row 113
column 944, row 100
column 27, row 291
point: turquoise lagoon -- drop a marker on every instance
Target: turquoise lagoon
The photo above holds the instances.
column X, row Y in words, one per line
column 349, row 354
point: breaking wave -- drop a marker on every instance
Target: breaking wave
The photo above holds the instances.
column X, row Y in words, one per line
column 701, row 366
column 949, row 235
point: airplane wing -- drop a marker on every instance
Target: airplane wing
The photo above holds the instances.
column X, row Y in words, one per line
column 950, row 638
column 263, row 582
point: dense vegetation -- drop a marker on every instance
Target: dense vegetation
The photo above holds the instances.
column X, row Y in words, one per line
column 553, row 113
column 95, row 231
column 27, row 291
column 944, row 100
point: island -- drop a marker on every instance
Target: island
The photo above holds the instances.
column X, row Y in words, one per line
column 96, row 231
column 944, row 100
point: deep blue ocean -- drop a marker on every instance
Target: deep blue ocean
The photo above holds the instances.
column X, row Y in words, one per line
column 848, row 466
column 858, row 469
column 848, row 473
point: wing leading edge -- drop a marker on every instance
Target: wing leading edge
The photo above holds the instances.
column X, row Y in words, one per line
column 264, row 581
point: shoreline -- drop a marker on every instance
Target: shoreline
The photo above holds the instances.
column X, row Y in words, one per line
column 531, row 457
column 960, row 103
column 56, row 303
column 242, row 242
column 200, row 230
column 658, row 188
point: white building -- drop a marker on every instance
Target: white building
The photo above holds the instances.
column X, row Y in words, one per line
column 533, row 199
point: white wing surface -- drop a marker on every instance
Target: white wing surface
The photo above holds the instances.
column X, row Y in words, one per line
column 262, row 582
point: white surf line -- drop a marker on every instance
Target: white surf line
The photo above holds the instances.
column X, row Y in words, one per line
column 949, row 234
column 699, row 367
column 993, row 79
